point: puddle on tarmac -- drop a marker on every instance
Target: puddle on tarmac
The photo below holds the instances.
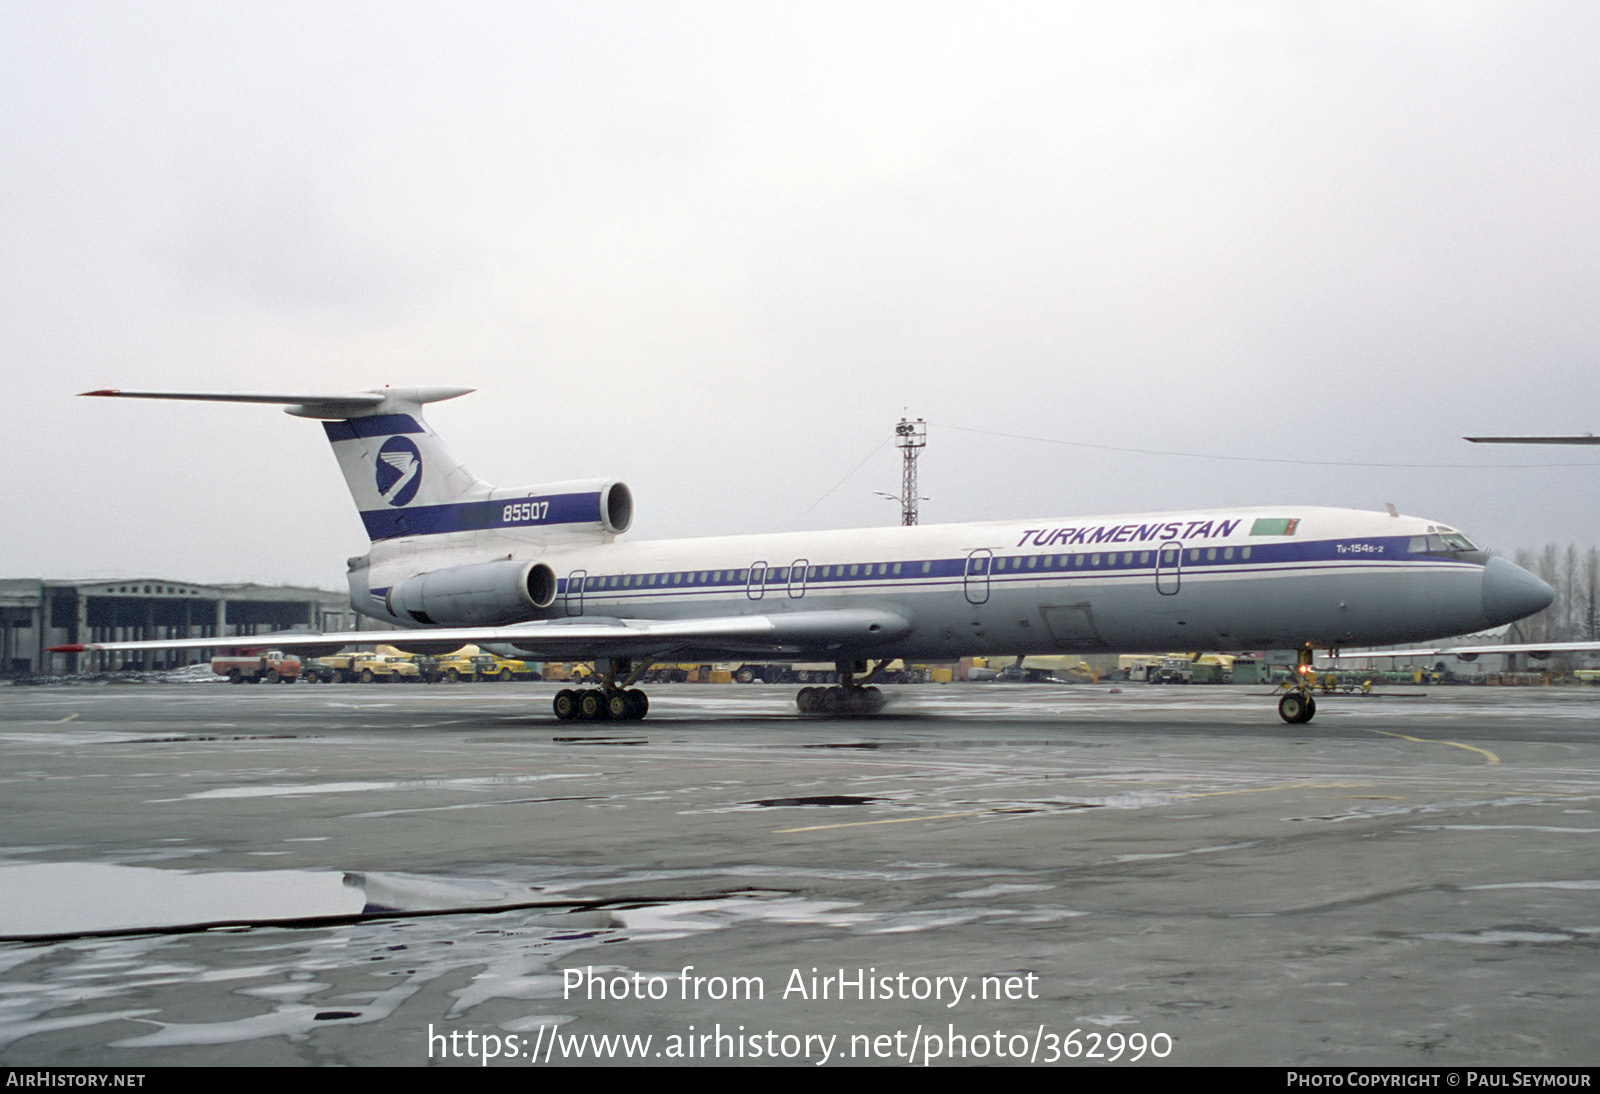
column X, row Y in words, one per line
column 820, row 799
column 163, row 990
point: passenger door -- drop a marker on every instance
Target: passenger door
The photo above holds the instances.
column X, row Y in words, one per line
column 1169, row 568
column 976, row 584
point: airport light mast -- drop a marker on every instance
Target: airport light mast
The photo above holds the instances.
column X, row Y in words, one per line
column 912, row 437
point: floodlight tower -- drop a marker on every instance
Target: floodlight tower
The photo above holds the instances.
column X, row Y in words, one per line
column 912, row 437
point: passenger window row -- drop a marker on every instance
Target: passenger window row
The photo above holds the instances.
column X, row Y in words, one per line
column 781, row 575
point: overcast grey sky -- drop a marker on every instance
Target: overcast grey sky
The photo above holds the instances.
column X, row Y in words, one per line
column 716, row 250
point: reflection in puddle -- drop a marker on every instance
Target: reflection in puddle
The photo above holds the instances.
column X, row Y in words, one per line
column 284, row 984
column 357, row 973
column 1498, row 937
column 55, row 899
column 298, row 789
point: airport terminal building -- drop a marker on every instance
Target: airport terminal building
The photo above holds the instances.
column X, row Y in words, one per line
column 37, row 613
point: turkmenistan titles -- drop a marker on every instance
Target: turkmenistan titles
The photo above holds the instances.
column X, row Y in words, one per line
column 1130, row 533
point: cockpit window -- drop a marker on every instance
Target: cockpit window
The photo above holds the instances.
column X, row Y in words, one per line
column 1447, row 543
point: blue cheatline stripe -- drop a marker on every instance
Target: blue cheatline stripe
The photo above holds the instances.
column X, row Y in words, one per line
column 598, row 599
column 1310, row 556
column 1264, row 558
column 378, row 425
column 476, row 516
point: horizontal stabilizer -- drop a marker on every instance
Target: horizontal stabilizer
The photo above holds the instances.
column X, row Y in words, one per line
column 314, row 405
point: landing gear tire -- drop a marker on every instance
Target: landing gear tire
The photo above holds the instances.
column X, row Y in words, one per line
column 591, row 705
column 626, row 706
column 566, row 704
column 1297, row 709
column 618, row 709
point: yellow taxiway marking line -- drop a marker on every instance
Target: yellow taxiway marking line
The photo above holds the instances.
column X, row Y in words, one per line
column 1453, row 744
column 59, row 721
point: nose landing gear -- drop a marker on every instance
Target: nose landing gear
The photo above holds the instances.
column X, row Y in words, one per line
column 1298, row 706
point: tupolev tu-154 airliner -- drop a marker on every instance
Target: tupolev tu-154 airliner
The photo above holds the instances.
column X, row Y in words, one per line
column 539, row 571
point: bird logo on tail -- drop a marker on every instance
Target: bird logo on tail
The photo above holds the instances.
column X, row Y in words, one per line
column 399, row 470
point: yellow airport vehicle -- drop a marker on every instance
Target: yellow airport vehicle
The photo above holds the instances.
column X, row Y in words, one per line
column 384, row 668
column 504, row 669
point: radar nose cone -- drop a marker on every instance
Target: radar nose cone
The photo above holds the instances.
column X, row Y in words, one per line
column 1511, row 593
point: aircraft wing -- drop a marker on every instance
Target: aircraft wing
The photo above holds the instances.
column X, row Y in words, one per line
column 1587, row 438
column 804, row 635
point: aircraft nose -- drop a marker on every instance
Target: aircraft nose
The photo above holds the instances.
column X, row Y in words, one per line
column 1511, row 593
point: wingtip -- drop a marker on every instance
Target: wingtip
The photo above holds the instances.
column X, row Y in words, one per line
column 101, row 391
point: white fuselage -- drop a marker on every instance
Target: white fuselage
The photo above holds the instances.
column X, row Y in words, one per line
column 1203, row 580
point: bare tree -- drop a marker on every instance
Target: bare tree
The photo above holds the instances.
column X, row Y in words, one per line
column 1549, row 572
column 1571, row 608
column 1591, row 594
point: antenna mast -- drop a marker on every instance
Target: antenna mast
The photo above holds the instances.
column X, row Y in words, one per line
column 912, row 437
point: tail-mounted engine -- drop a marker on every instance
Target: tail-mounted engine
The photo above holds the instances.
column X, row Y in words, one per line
column 485, row 594
column 586, row 509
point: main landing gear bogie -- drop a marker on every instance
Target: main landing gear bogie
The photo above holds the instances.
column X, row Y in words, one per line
column 839, row 700
column 613, row 701
column 849, row 697
column 601, row 704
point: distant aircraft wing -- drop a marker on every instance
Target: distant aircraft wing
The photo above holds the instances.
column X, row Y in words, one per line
column 812, row 634
column 1533, row 649
column 1587, row 438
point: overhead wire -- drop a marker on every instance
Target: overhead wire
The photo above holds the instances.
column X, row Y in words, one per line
column 846, row 479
